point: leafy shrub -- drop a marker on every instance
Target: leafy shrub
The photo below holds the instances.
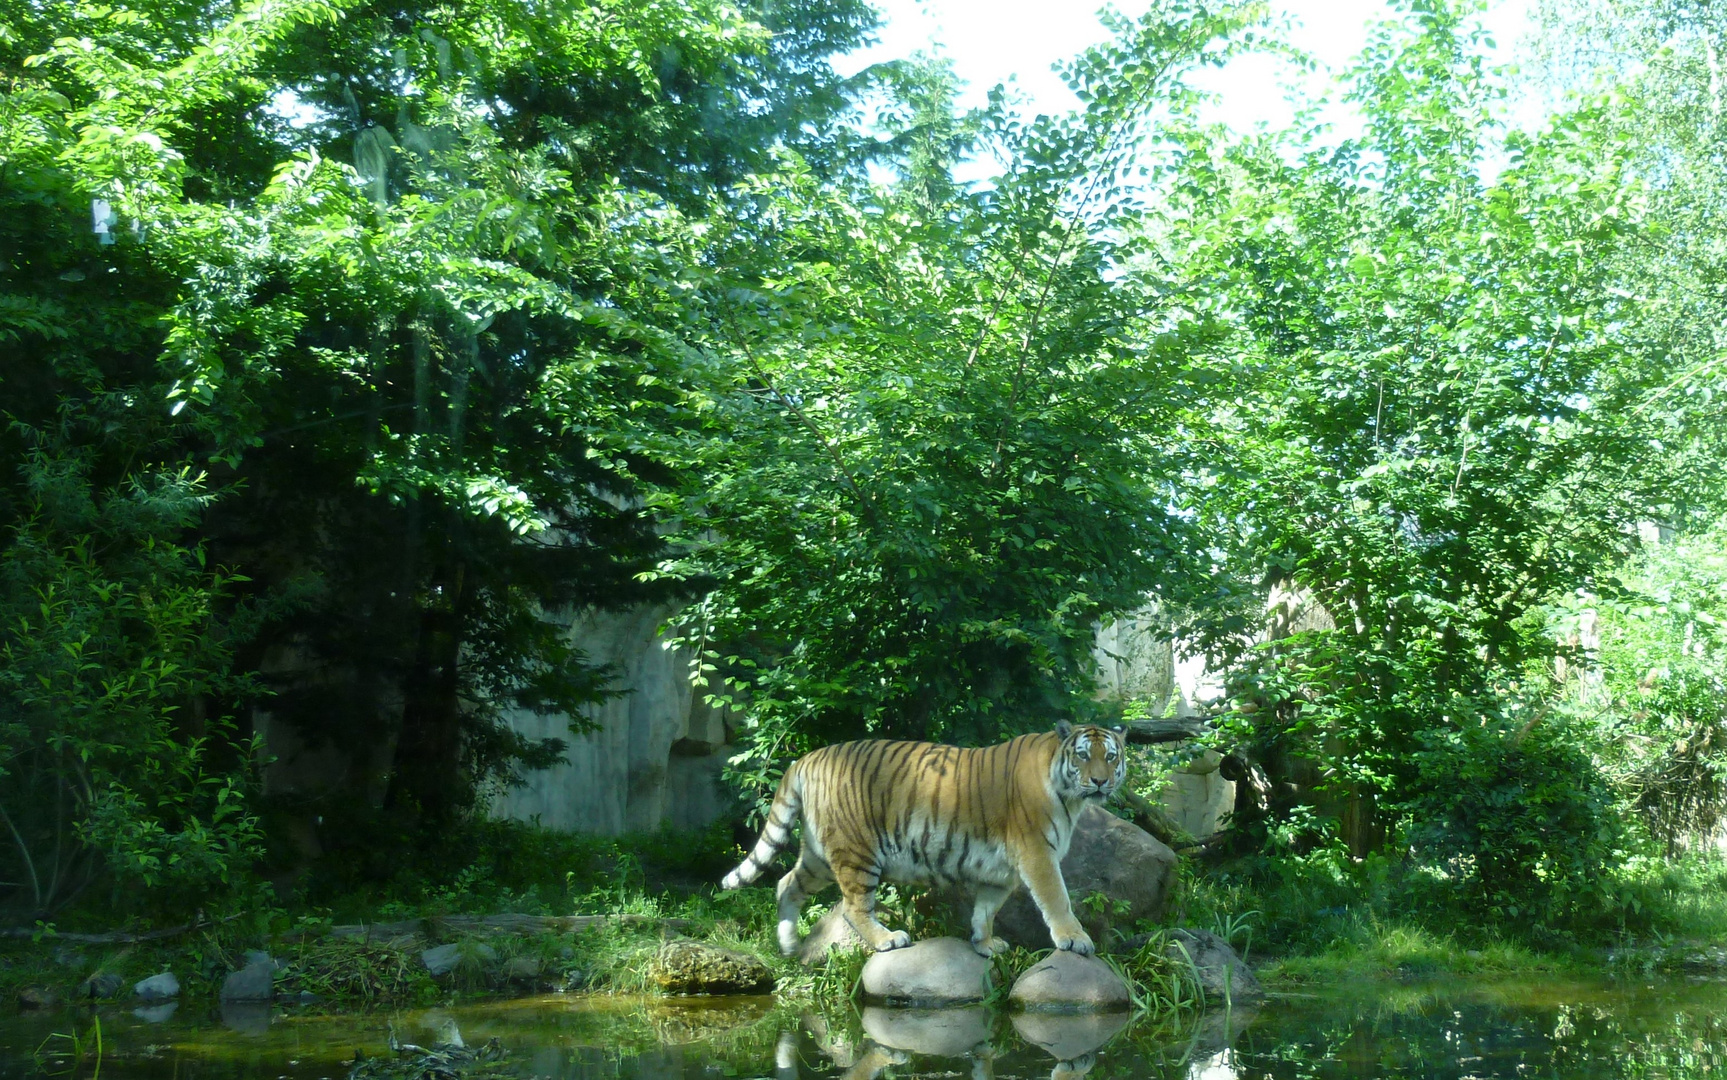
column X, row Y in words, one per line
column 1517, row 823
column 117, row 757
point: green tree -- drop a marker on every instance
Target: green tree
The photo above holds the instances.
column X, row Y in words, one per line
column 364, row 266
column 1438, row 421
column 939, row 448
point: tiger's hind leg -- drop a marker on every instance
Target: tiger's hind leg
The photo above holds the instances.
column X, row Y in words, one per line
column 857, row 892
column 808, row 877
column 990, row 898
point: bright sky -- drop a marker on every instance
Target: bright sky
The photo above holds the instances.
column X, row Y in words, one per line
column 1015, row 42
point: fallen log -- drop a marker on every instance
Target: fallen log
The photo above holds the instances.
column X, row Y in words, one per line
column 1155, row 820
column 113, row 937
column 439, row 926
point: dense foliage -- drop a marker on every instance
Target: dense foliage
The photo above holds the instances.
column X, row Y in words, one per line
column 351, row 349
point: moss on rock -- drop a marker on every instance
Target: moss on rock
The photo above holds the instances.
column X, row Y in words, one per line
column 690, row 967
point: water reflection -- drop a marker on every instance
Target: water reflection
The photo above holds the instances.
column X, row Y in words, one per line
column 1609, row 1031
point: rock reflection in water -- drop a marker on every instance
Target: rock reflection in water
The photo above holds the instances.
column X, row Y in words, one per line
column 891, row 1036
column 1073, row 1040
column 680, row 1021
column 935, row 1032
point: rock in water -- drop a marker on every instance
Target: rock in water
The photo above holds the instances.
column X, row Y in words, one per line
column 690, row 967
column 254, row 982
column 936, row 971
column 1221, row 974
column 936, row 1032
column 1069, row 981
column 446, row 958
column 102, row 984
column 1110, row 856
column 158, row 987
column 37, row 997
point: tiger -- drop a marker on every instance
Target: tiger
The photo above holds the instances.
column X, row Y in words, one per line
column 925, row 813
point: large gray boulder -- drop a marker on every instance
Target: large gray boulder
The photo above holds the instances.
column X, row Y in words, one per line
column 1220, row 972
column 691, row 967
column 935, row 971
column 1117, row 858
column 1069, row 982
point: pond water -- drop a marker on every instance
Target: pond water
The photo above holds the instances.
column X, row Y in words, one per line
column 1673, row 1029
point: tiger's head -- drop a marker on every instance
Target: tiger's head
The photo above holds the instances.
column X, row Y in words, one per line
column 1091, row 761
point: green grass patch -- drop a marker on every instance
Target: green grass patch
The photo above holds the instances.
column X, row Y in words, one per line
column 1370, row 949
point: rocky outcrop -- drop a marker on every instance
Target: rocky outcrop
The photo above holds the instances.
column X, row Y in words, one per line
column 652, row 755
column 1216, row 967
column 690, row 967
column 1065, row 981
column 1116, row 858
column 935, row 971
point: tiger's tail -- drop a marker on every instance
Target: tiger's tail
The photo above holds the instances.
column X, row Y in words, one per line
column 788, row 801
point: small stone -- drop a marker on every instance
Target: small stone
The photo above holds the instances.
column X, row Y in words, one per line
column 1065, row 1036
column 523, row 968
column 830, row 932
column 254, row 982
column 1221, row 974
column 935, row 1032
column 1069, row 981
column 442, row 960
column 37, row 997
column 935, row 971
column 102, row 984
column 158, row 987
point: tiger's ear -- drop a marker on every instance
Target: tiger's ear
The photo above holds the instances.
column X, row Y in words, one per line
column 1063, row 728
column 1119, row 729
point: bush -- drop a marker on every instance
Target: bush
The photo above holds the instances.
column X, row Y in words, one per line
column 1517, row 823
column 118, row 761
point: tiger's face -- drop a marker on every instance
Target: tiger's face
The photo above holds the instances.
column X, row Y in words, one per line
column 1091, row 763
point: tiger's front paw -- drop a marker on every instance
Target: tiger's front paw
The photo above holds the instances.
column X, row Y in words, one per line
column 1075, row 941
column 989, row 946
column 899, row 939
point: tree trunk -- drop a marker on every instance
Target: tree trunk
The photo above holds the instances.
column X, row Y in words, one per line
column 428, row 776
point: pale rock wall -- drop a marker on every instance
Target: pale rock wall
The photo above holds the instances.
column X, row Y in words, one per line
column 1136, row 661
column 656, row 755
